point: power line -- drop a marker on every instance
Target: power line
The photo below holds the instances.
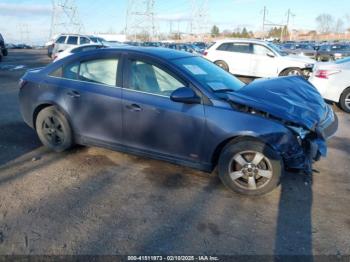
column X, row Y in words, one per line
column 200, row 17
column 65, row 18
column 284, row 26
column 140, row 19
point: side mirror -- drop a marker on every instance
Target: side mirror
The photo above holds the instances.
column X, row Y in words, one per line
column 185, row 95
column 270, row 54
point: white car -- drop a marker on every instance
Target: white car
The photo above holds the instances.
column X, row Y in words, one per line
column 76, row 49
column 333, row 81
column 256, row 58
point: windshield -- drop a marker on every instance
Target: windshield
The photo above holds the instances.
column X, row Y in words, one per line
column 209, row 75
column 277, row 49
column 305, row 46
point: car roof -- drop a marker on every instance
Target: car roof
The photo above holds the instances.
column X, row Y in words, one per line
column 243, row 40
column 158, row 52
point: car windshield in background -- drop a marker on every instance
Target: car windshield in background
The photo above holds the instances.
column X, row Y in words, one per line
column 306, row 47
column 209, row 74
column 277, row 49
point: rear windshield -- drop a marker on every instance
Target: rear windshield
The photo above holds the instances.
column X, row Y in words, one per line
column 209, row 75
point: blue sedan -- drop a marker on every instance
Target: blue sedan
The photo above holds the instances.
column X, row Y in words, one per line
column 178, row 107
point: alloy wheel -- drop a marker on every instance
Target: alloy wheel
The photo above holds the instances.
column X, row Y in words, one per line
column 347, row 101
column 250, row 170
column 53, row 131
column 294, row 73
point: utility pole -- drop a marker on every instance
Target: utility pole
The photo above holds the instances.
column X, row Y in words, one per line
column 65, row 18
column 199, row 24
column 281, row 25
column 140, row 18
column 264, row 18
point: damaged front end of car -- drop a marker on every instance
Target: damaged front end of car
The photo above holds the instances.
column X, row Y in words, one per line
column 295, row 103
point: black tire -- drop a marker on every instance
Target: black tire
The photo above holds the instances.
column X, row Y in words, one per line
column 344, row 100
column 53, row 129
column 223, row 65
column 292, row 72
column 238, row 177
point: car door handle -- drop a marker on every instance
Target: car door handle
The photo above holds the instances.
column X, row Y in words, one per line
column 134, row 107
column 73, row 94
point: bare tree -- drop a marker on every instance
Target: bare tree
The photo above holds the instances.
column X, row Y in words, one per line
column 347, row 19
column 325, row 23
column 339, row 26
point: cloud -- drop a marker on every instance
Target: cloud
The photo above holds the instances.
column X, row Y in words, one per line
column 24, row 9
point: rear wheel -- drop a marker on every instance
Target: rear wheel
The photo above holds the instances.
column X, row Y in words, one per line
column 345, row 100
column 250, row 167
column 223, row 65
column 53, row 129
column 292, row 72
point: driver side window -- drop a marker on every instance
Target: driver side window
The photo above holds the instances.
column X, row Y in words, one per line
column 261, row 50
column 148, row 78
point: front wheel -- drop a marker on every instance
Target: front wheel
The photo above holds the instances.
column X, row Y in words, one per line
column 292, row 72
column 223, row 65
column 250, row 167
column 345, row 100
column 53, row 129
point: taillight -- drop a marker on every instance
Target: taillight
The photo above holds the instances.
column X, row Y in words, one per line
column 205, row 53
column 325, row 73
column 22, row 83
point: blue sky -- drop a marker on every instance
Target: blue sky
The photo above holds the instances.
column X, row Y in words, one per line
column 20, row 16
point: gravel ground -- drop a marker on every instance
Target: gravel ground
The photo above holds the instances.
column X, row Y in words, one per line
column 96, row 201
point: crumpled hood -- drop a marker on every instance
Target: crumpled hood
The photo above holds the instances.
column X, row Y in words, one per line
column 290, row 98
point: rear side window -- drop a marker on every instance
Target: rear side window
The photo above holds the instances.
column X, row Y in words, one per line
column 101, row 71
column 61, row 40
column 236, row 47
column 69, row 71
column 240, row 48
column 72, row 40
column 224, row 47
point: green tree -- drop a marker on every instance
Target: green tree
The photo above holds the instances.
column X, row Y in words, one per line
column 245, row 33
column 215, row 31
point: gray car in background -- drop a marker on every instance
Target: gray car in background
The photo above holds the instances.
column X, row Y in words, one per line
column 301, row 49
column 332, row 52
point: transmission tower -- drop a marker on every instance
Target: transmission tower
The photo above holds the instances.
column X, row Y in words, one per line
column 65, row 18
column 200, row 17
column 140, row 19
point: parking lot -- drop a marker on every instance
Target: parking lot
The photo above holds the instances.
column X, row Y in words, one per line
column 96, row 201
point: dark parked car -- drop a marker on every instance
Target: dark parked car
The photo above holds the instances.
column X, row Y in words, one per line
column 185, row 47
column 331, row 52
column 181, row 108
column 3, row 49
column 304, row 49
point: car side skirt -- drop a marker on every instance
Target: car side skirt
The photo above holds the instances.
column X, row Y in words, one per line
column 87, row 141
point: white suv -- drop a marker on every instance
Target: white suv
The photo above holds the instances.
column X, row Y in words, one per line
column 66, row 41
column 256, row 58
